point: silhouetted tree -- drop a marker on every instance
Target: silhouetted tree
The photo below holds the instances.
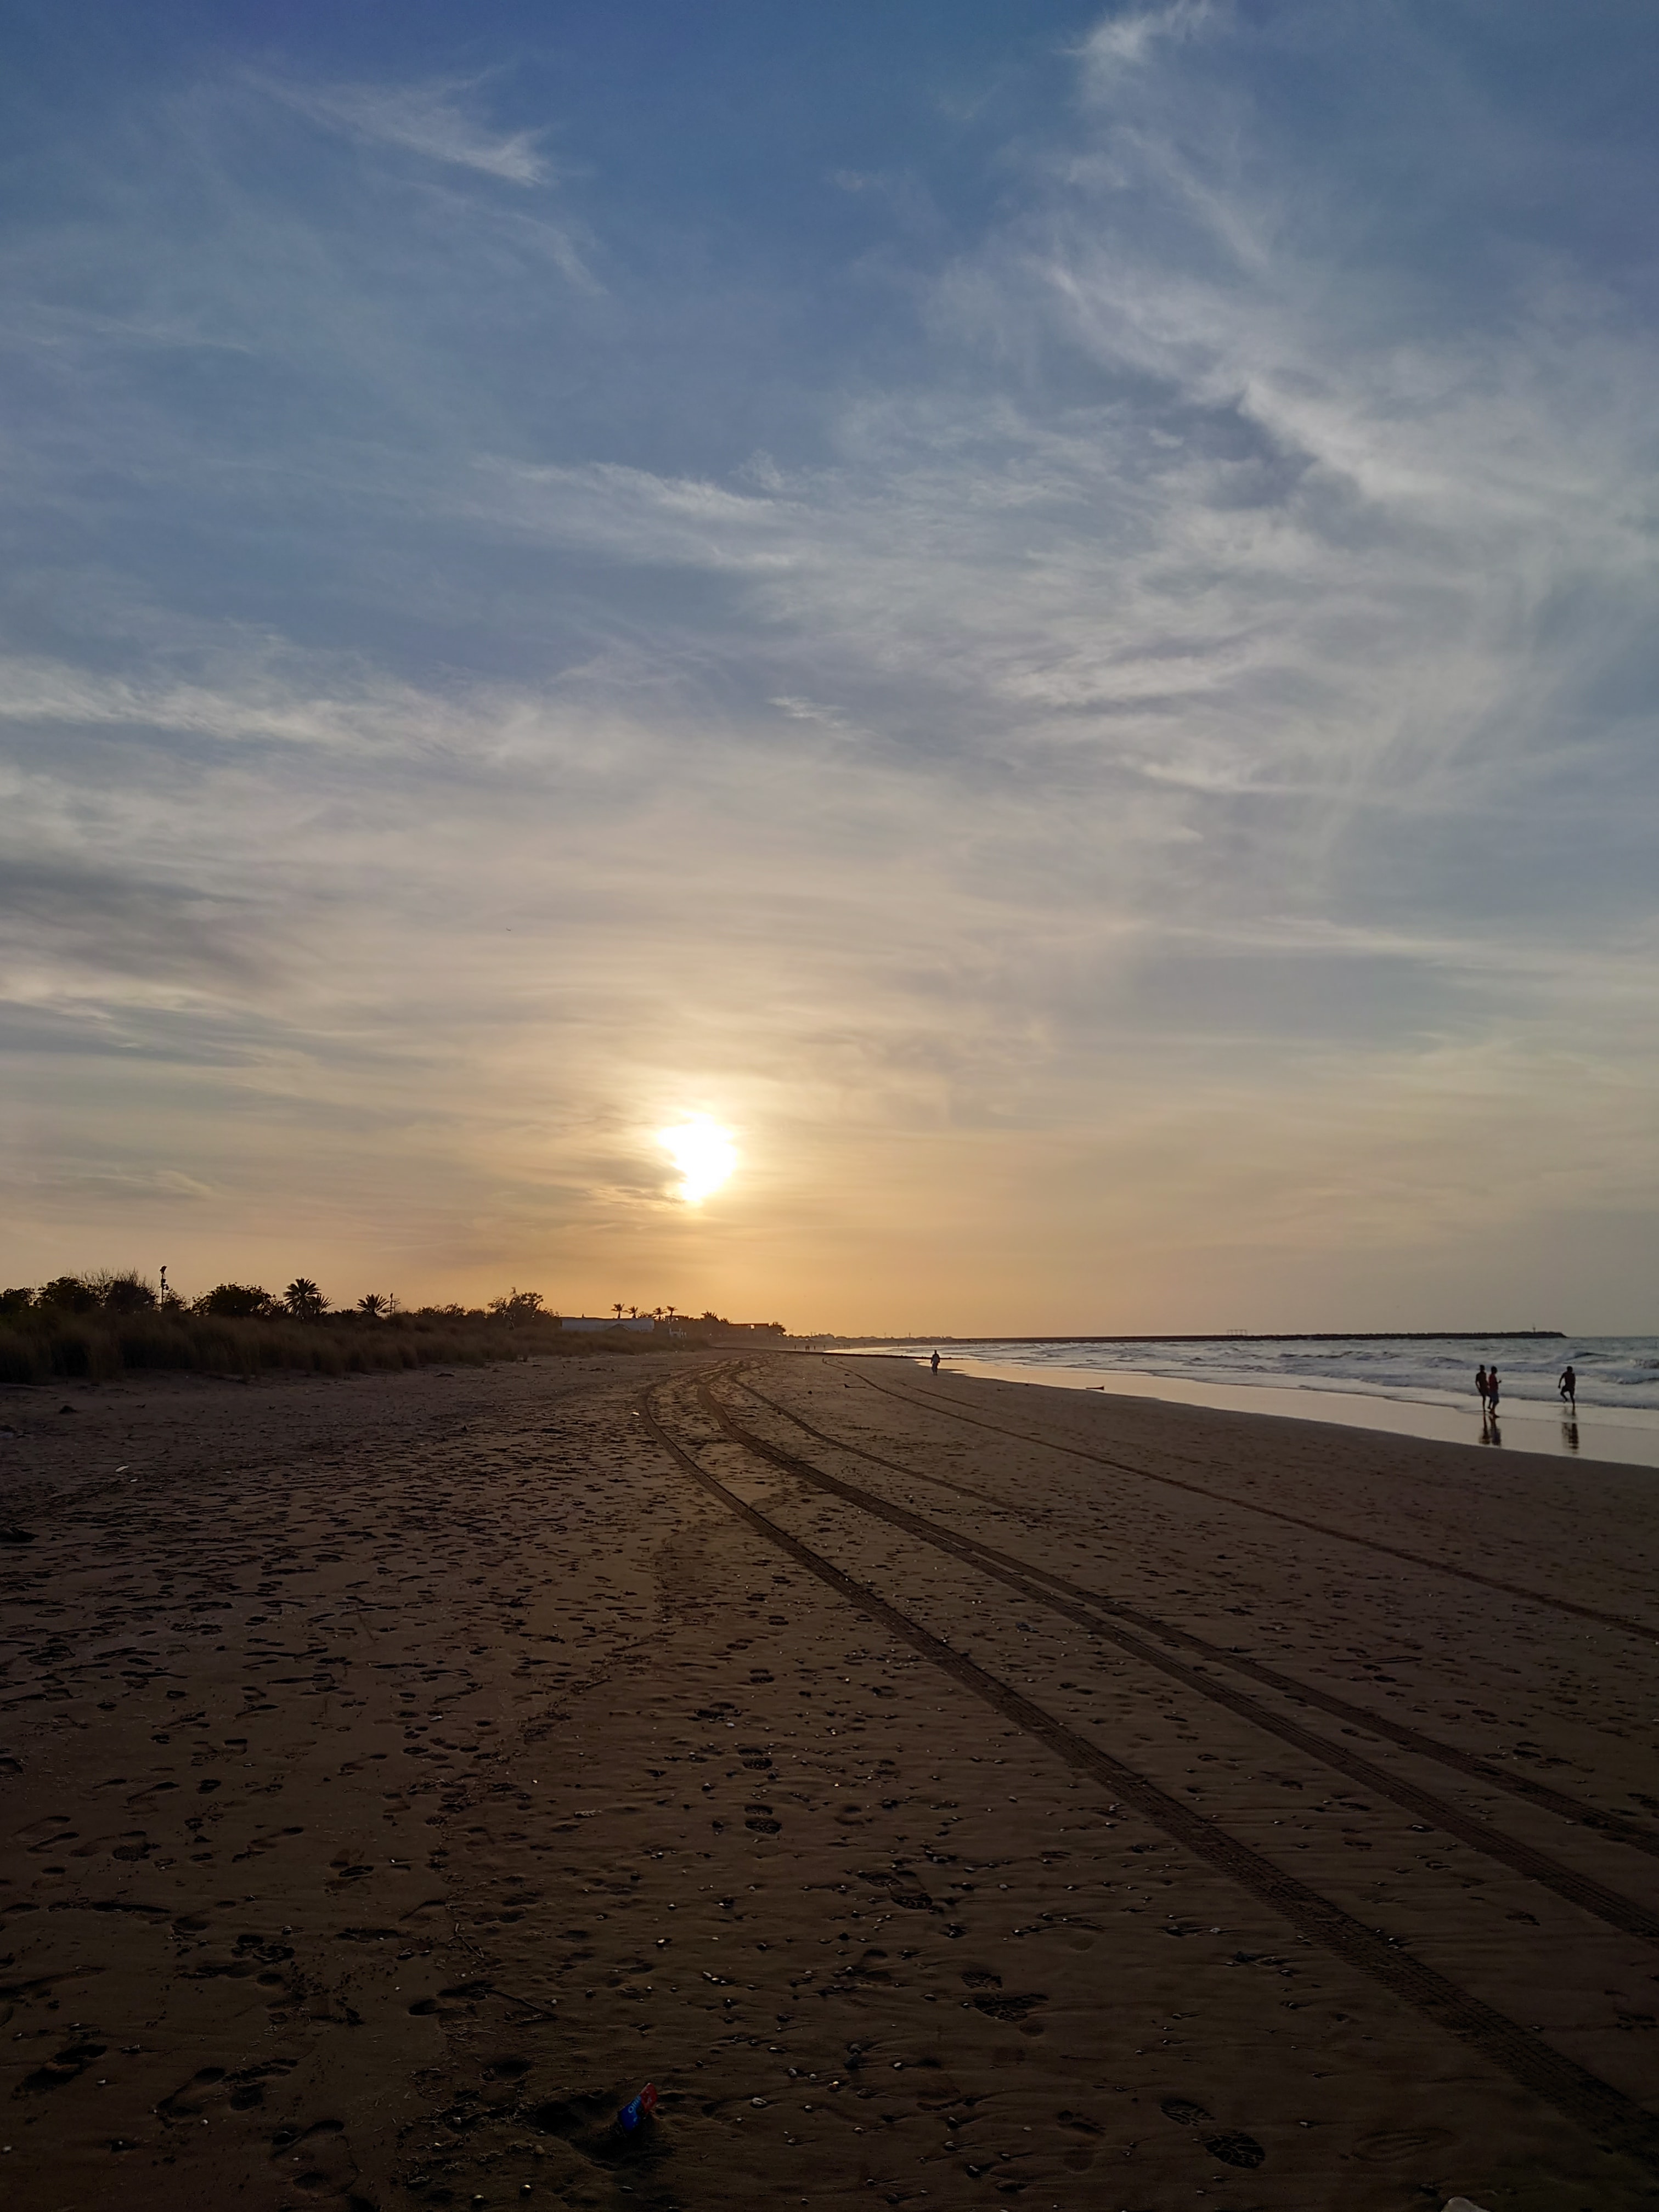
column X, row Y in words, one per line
column 68, row 1294
column 372, row 1303
column 517, row 1305
column 304, row 1301
column 236, row 1302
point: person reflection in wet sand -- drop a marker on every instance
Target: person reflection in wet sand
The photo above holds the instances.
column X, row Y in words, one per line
column 1570, row 1433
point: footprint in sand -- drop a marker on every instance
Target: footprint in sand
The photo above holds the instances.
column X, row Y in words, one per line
column 506, row 2070
column 1231, row 2149
column 1012, row 2009
column 1236, row 2149
column 461, row 1998
column 243, row 2090
column 63, row 2066
column 318, row 2161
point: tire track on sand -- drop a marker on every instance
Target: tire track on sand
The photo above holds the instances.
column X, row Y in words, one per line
column 1614, row 2120
column 1623, row 1827
column 1608, row 1906
column 1644, row 1629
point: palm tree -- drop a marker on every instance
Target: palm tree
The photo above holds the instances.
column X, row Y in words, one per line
column 304, row 1301
column 633, row 1313
column 617, row 1309
column 372, row 1305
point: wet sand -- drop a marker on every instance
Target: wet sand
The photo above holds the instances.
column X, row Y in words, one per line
column 947, row 1792
column 1528, row 1424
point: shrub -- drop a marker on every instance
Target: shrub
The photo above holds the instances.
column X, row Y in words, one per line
column 235, row 1301
column 20, row 1360
column 122, row 1290
column 68, row 1294
column 40, row 1342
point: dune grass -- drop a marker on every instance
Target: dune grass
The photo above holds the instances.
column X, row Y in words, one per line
column 46, row 1346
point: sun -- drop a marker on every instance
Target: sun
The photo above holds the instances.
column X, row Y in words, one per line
column 704, row 1154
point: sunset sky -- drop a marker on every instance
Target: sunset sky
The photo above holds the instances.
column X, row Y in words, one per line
column 1040, row 619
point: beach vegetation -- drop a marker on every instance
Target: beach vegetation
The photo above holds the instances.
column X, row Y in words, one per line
column 235, row 1301
column 95, row 1326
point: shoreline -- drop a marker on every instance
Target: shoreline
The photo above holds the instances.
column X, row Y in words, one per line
column 1620, row 1436
column 1238, row 1336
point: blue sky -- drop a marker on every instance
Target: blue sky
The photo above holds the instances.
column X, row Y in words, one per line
column 1046, row 614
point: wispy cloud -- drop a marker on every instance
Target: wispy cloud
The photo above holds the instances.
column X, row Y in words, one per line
column 438, row 120
column 1125, row 41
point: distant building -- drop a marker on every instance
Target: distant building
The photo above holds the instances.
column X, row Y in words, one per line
column 682, row 1325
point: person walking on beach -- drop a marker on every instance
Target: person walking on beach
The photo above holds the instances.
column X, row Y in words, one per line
column 1480, row 1385
column 934, row 1363
column 1491, row 1391
column 1568, row 1386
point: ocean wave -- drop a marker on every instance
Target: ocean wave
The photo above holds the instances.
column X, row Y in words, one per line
column 1621, row 1371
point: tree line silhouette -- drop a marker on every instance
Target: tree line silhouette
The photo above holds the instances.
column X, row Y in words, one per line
column 103, row 1321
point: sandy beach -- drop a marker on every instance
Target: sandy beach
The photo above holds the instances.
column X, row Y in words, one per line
column 946, row 1791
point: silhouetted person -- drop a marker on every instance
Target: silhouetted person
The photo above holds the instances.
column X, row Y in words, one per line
column 934, row 1363
column 1491, row 1391
column 1480, row 1385
column 1568, row 1386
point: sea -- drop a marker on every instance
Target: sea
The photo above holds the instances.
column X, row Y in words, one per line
column 1420, row 1386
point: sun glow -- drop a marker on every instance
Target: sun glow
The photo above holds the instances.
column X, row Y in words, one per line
column 704, row 1154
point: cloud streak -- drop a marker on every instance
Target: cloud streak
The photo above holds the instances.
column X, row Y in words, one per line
column 436, row 120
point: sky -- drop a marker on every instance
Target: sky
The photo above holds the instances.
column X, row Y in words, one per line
column 1043, row 618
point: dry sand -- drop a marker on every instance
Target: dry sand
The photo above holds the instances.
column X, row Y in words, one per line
column 398, row 1772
